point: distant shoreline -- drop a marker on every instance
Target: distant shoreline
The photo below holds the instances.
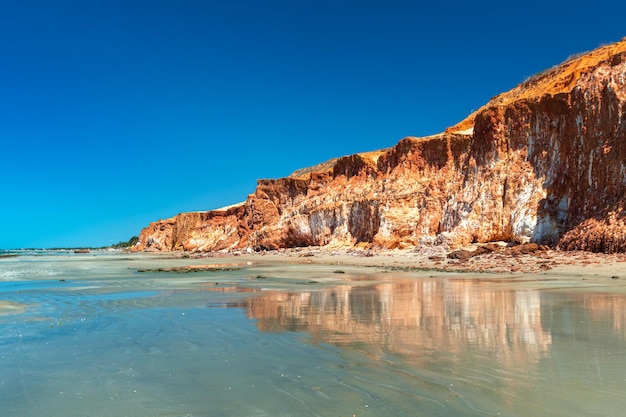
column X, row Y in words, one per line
column 425, row 261
column 604, row 268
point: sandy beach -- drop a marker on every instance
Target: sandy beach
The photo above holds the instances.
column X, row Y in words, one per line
column 332, row 330
column 605, row 269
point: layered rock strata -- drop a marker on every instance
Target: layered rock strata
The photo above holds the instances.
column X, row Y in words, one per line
column 544, row 162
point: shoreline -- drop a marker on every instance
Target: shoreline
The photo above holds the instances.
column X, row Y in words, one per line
column 484, row 261
column 504, row 261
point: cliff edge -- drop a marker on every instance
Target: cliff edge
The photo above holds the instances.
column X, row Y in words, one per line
column 544, row 162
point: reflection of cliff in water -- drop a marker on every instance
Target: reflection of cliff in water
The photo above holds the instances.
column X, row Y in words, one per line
column 413, row 318
column 607, row 309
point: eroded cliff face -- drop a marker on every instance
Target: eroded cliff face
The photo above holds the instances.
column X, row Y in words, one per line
column 545, row 162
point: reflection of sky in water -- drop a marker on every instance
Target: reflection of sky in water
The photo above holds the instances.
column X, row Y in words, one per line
column 280, row 341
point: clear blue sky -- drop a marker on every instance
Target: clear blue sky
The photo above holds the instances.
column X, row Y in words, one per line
column 114, row 114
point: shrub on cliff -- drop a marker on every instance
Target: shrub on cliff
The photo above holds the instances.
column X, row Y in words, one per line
column 122, row 245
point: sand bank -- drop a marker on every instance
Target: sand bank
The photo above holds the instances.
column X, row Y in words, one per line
column 606, row 268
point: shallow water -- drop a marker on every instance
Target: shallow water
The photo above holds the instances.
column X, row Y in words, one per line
column 88, row 335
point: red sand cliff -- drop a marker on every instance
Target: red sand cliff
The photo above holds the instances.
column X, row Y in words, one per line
column 544, row 162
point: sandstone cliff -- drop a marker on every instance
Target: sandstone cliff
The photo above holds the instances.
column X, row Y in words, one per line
column 544, row 162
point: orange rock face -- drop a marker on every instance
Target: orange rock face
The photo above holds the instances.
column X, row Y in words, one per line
column 544, row 162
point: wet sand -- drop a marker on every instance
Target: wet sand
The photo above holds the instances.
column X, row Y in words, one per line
column 276, row 333
column 608, row 269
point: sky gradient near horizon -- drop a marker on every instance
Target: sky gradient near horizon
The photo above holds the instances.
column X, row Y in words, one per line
column 115, row 113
